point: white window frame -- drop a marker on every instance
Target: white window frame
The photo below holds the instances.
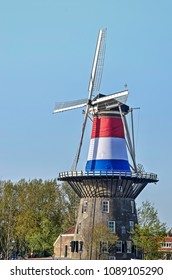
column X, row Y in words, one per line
column 105, row 206
column 112, row 258
column 129, row 247
column 118, row 247
column 85, row 205
column 104, row 247
column 131, row 224
column 166, row 245
column 114, row 226
column 132, row 206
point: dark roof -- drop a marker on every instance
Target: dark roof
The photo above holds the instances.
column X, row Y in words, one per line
column 98, row 96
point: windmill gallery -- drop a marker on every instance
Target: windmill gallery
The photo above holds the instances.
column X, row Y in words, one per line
column 111, row 182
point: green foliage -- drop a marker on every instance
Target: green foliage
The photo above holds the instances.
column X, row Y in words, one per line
column 148, row 216
column 32, row 215
column 7, row 221
column 94, row 239
column 149, row 232
column 102, row 233
column 148, row 241
column 70, row 203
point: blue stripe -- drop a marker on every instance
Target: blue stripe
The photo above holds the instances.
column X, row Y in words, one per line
column 115, row 165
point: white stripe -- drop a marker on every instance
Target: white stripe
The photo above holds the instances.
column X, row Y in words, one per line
column 107, row 148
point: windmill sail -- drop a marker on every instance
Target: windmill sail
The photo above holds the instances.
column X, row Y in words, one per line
column 98, row 63
column 95, row 80
column 69, row 105
column 106, row 99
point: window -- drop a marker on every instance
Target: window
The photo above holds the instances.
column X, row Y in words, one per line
column 105, row 206
column 119, row 246
column 81, row 245
column 85, row 206
column 166, row 245
column 112, row 258
column 65, row 253
column 123, row 230
column 72, row 246
column 104, row 247
column 76, row 246
column 120, row 188
column 132, row 206
column 131, row 223
column 79, row 228
column 129, row 246
column 111, row 226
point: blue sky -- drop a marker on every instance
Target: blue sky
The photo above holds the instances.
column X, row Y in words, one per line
column 46, row 53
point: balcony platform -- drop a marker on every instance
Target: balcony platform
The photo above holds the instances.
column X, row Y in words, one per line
column 107, row 184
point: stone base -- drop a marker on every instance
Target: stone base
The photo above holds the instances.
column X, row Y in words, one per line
column 119, row 214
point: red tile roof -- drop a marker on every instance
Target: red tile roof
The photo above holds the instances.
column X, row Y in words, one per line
column 168, row 239
column 71, row 230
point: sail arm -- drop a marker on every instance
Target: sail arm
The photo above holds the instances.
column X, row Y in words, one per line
column 69, row 105
column 98, row 62
column 128, row 139
column 118, row 97
column 94, row 84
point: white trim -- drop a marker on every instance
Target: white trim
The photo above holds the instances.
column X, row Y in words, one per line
column 114, row 230
column 62, row 235
column 107, row 205
column 166, row 245
column 120, row 247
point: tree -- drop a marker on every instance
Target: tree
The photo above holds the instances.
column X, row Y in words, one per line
column 7, row 218
column 39, row 219
column 148, row 216
column 103, row 240
column 32, row 214
column 70, row 202
column 149, row 232
column 99, row 241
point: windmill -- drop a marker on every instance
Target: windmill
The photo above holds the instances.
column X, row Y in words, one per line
column 110, row 183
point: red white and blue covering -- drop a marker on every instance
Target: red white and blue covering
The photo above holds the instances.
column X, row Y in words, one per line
column 107, row 150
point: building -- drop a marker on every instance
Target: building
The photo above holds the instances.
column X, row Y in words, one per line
column 111, row 180
column 62, row 245
column 166, row 248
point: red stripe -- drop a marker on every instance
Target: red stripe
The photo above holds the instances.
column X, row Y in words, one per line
column 107, row 127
